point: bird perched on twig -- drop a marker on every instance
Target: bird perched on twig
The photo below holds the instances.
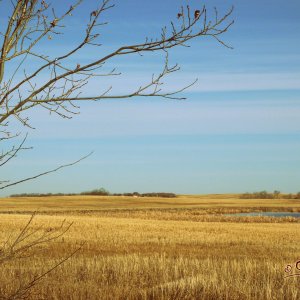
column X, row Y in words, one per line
column 44, row 4
column 94, row 13
column 53, row 23
column 197, row 14
column 179, row 15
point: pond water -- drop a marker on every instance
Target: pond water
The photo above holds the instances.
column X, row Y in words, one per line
column 267, row 214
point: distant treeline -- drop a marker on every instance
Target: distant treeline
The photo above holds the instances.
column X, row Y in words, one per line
column 96, row 192
column 135, row 194
column 266, row 195
column 41, row 194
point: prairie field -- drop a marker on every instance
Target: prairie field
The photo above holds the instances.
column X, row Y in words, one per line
column 149, row 248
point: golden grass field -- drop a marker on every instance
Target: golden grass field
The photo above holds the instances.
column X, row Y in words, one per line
column 154, row 248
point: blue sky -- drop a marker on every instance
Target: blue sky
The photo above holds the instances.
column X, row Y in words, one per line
column 238, row 131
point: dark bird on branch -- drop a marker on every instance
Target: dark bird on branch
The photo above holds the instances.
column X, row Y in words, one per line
column 197, row 14
column 94, row 13
column 53, row 23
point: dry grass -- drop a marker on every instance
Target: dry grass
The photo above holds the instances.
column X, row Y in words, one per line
column 155, row 252
column 215, row 203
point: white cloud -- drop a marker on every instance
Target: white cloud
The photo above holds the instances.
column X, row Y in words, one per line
column 249, row 81
column 207, row 82
column 117, row 118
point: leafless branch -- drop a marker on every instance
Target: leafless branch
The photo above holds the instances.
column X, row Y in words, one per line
column 56, row 84
column 24, row 243
column 45, row 173
column 59, row 91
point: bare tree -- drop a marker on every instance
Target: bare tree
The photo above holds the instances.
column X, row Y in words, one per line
column 55, row 85
column 32, row 22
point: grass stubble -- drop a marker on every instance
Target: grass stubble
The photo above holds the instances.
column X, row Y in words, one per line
column 154, row 249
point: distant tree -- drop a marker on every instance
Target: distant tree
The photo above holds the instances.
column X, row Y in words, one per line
column 98, row 192
column 260, row 195
column 289, row 196
column 276, row 194
column 246, row 196
column 266, row 195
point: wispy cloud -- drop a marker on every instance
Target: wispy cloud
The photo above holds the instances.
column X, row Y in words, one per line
column 207, row 82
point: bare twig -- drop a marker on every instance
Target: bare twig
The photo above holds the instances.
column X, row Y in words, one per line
column 28, row 239
column 45, row 173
